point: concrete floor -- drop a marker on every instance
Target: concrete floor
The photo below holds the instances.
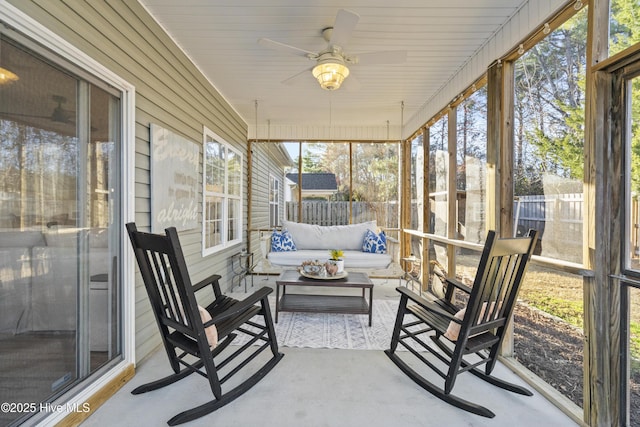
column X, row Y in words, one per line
column 323, row 387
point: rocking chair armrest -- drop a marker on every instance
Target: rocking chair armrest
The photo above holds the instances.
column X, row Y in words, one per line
column 211, row 280
column 426, row 304
column 243, row 305
column 458, row 284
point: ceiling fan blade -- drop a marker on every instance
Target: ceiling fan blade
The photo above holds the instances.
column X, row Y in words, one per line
column 351, row 84
column 272, row 44
column 296, row 78
column 383, row 57
column 343, row 27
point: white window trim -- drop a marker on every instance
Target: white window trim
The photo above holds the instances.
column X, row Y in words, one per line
column 225, row 195
column 273, row 178
column 33, row 29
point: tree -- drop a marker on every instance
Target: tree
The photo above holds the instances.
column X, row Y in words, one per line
column 549, row 108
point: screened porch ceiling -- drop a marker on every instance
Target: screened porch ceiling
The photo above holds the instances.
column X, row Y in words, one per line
column 439, row 37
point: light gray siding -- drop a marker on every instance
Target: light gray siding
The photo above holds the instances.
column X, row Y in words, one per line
column 264, row 164
column 170, row 91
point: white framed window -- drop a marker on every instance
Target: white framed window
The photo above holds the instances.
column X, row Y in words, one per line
column 274, row 201
column 222, row 194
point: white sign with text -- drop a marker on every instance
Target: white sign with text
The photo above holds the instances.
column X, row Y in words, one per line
column 175, row 165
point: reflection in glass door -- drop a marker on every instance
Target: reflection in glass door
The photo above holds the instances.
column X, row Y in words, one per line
column 59, row 228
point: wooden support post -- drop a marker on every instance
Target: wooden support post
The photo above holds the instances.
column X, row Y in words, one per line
column 426, row 208
column 494, row 108
column 452, row 193
column 405, row 197
column 249, row 192
column 601, row 224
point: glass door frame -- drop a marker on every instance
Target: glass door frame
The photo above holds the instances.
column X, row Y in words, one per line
column 23, row 24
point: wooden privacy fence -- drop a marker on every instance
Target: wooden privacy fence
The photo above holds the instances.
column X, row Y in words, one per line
column 322, row 212
column 558, row 218
column 537, row 211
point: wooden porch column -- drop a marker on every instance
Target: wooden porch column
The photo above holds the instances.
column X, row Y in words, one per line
column 602, row 231
column 494, row 131
column 452, row 193
column 426, row 208
column 405, row 197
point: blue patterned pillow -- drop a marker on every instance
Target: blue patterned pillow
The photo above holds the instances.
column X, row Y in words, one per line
column 282, row 242
column 374, row 243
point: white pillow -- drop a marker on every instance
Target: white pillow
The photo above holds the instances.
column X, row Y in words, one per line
column 210, row 331
column 454, row 328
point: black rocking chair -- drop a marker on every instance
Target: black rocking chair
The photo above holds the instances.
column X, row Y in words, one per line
column 188, row 330
column 463, row 340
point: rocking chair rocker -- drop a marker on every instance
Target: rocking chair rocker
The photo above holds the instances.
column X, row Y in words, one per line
column 463, row 340
column 188, row 330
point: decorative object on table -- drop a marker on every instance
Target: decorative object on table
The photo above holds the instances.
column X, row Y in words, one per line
column 312, row 267
column 336, row 259
column 320, row 270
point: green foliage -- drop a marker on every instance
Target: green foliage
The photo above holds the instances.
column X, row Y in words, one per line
column 634, row 341
column 567, row 310
column 625, row 25
column 549, row 108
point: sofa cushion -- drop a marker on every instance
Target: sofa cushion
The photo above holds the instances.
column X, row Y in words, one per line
column 64, row 237
column 352, row 259
column 374, row 243
column 311, row 236
column 21, row 239
column 15, row 288
column 282, row 241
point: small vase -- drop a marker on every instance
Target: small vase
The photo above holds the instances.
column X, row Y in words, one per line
column 340, row 264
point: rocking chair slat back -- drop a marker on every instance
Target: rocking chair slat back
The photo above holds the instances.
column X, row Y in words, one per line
column 451, row 334
column 182, row 328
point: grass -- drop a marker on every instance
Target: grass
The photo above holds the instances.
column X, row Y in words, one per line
column 561, row 295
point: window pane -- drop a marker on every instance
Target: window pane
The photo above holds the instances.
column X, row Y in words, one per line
column 548, row 329
column 214, row 166
column 549, row 140
column 623, row 25
column 417, row 194
column 234, row 171
column 632, row 255
column 375, row 183
column 438, row 173
column 634, row 357
column 213, row 221
column 274, row 201
column 548, row 175
column 222, row 189
column 234, row 220
column 471, row 175
column 325, row 184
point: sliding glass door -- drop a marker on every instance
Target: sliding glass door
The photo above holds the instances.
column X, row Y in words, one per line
column 60, row 297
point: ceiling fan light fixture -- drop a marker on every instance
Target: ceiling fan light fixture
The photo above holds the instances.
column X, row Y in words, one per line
column 7, row 77
column 330, row 75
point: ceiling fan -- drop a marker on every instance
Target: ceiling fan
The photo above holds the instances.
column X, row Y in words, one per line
column 58, row 115
column 332, row 63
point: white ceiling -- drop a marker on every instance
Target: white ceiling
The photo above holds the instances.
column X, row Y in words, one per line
column 221, row 39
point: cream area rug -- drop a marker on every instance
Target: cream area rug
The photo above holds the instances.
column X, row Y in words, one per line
column 338, row 331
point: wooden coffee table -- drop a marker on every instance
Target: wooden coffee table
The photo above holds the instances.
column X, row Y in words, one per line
column 346, row 304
